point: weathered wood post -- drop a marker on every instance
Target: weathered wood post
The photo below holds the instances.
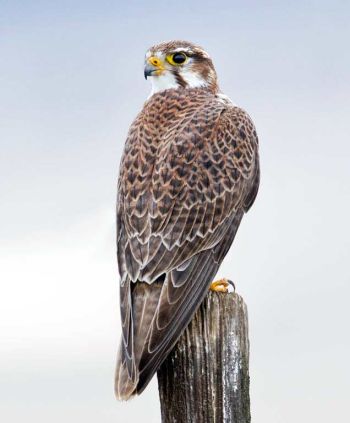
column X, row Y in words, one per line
column 205, row 379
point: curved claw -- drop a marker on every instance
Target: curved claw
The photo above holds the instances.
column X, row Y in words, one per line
column 222, row 285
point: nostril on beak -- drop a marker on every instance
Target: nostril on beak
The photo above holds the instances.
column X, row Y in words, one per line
column 154, row 61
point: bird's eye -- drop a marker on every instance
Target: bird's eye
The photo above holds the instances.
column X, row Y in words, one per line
column 177, row 58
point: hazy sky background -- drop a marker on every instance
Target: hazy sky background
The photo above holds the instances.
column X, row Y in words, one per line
column 71, row 81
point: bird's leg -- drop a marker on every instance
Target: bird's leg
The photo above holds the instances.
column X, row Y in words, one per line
column 223, row 285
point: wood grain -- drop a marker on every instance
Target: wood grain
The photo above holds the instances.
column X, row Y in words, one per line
column 205, row 379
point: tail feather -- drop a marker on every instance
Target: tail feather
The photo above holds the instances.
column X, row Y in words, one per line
column 153, row 343
column 125, row 387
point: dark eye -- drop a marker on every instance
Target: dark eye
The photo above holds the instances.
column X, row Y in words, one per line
column 179, row 58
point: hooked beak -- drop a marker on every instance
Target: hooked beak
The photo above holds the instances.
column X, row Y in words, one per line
column 153, row 67
column 150, row 70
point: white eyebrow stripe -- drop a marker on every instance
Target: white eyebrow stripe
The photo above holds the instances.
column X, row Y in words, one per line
column 184, row 49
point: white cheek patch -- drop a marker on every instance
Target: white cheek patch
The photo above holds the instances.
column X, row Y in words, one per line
column 167, row 80
column 193, row 79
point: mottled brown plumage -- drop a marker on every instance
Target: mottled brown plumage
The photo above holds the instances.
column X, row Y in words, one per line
column 188, row 173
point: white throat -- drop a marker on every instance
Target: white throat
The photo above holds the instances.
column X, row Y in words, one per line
column 163, row 82
column 167, row 80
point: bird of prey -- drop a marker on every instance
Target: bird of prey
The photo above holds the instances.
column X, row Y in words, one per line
column 189, row 172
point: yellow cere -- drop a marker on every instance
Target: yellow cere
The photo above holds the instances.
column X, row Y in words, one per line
column 155, row 62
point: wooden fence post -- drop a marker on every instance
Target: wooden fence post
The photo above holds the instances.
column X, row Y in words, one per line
column 205, row 379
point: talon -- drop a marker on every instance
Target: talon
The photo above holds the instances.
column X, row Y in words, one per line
column 222, row 285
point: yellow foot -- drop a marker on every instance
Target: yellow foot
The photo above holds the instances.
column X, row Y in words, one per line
column 222, row 285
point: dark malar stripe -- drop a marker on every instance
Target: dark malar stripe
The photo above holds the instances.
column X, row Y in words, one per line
column 180, row 80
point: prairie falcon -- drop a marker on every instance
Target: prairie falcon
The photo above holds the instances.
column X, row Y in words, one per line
column 189, row 172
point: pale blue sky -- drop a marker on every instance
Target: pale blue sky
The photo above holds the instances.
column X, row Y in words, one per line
column 71, row 81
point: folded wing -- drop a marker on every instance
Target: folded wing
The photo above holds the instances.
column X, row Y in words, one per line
column 175, row 228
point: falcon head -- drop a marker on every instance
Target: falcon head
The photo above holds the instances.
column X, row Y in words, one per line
column 176, row 64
